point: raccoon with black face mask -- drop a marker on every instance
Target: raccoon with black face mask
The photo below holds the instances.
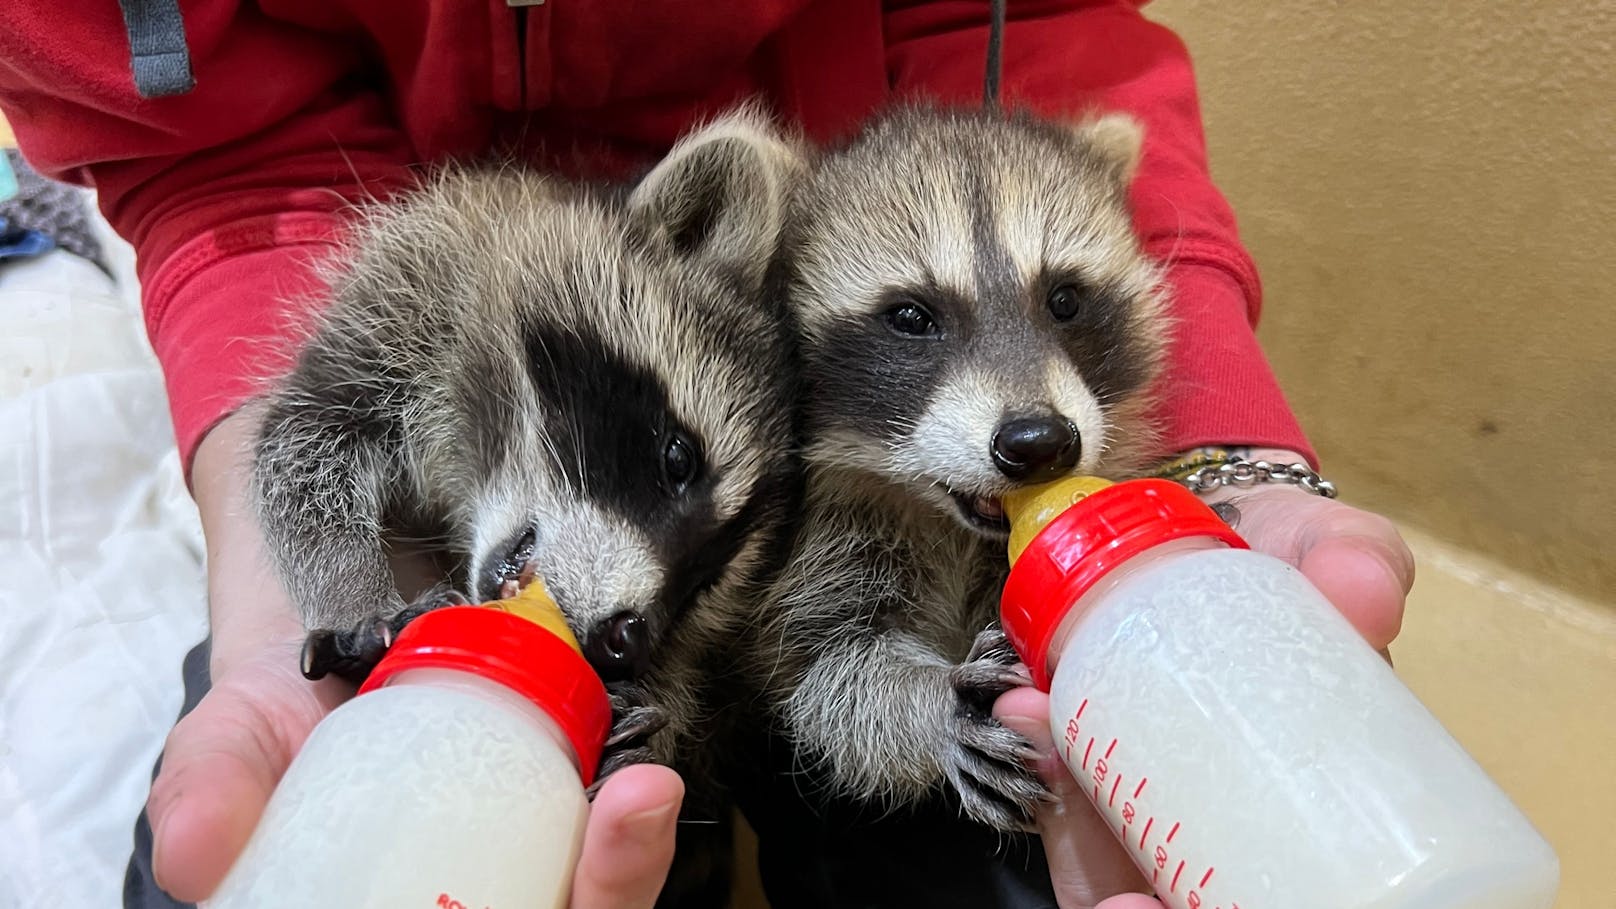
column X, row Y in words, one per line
column 583, row 385
column 976, row 314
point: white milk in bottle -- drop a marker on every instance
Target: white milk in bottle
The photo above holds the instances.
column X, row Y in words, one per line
column 454, row 780
column 1247, row 747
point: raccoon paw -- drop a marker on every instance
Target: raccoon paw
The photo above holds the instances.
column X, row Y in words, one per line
column 985, row 762
column 987, row 766
column 634, row 722
column 989, row 670
column 352, row 654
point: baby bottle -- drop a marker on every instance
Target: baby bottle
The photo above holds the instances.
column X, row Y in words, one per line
column 1247, row 747
column 455, row 779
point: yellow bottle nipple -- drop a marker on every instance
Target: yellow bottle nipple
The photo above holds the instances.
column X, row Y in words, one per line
column 534, row 603
column 1031, row 508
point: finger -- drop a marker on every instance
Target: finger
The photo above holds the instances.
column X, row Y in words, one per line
column 1130, row 901
column 1366, row 577
column 1086, row 863
column 628, row 845
column 203, row 808
column 1026, row 711
column 1355, row 558
column 219, row 766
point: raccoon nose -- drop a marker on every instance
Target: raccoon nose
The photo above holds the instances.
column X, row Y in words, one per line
column 1036, row 448
column 620, row 647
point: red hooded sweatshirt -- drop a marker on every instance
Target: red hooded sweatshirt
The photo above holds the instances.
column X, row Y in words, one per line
column 233, row 180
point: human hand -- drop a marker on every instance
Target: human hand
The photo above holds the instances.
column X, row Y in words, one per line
column 222, row 762
column 1356, row 559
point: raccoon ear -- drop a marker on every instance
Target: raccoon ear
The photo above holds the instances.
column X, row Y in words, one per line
column 721, row 193
column 1119, row 139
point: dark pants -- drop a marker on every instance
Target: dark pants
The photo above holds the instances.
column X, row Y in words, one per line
column 928, row 857
column 814, row 852
column 810, row 855
column 140, row 889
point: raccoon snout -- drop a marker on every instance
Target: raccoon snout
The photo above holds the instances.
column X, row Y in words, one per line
column 620, row 647
column 1034, row 449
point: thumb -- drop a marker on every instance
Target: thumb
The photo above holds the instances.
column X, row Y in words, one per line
column 629, row 841
column 1086, row 863
column 220, row 765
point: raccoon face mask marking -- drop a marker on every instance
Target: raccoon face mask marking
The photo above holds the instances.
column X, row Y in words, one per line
column 978, row 313
column 634, row 521
column 586, row 384
column 661, row 424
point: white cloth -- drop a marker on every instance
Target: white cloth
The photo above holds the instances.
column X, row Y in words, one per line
column 102, row 564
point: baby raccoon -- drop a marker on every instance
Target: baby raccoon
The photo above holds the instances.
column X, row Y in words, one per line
column 580, row 384
column 976, row 314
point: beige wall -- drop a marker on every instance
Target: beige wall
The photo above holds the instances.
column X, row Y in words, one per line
column 1430, row 192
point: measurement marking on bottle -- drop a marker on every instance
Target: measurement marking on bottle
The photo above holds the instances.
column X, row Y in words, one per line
column 1161, row 860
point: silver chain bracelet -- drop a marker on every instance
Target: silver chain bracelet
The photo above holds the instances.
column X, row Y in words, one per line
column 1237, row 471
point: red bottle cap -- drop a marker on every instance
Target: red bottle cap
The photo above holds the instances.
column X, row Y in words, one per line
column 517, row 653
column 1083, row 544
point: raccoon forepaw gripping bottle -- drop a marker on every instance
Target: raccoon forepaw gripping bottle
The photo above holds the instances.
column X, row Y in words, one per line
column 455, row 778
column 1247, row 747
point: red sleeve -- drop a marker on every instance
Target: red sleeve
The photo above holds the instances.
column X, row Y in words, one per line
column 1066, row 57
column 227, row 193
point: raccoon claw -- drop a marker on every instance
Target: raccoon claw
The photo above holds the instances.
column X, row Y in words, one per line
column 636, row 724
column 352, row 654
column 634, row 719
column 988, row 769
column 614, row 761
column 349, row 655
column 992, row 644
column 980, row 684
column 633, row 725
column 989, row 670
column 986, row 763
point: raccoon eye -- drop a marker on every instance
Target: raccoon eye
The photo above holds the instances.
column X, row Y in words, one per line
column 911, row 319
column 680, row 463
column 1064, row 302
